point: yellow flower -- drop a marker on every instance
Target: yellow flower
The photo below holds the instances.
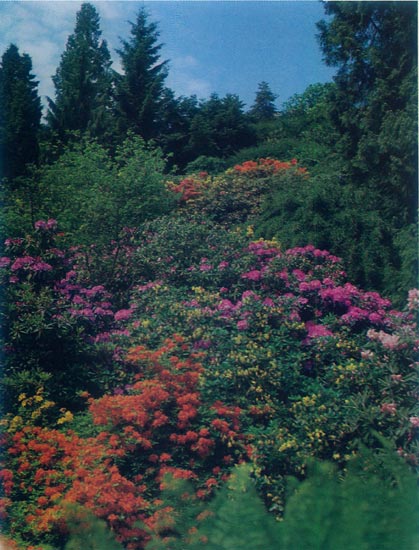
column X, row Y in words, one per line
column 68, row 417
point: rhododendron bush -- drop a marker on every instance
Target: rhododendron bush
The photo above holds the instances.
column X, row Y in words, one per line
column 186, row 348
column 237, row 195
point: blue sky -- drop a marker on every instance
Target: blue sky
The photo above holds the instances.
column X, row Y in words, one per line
column 212, row 46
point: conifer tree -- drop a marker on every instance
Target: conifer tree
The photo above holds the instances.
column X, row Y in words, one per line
column 140, row 88
column 83, row 80
column 374, row 47
column 20, row 113
column 263, row 109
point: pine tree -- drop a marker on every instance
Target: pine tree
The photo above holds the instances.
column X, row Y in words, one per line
column 263, row 109
column 20, row 113
column 83, row 80
column 140, row 88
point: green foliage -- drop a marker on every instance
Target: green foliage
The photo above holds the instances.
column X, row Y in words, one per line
column 347, row 220
column 373, row 505
column 139, row 89
column 94, row 196
column 263, row 108
column 20, row 114
column 374, row 46
column 220, row 128
column 212, row 165
column 83, row 80
column 87, row 532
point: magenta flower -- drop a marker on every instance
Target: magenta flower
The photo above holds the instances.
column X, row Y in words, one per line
column 242, row 324
column 40, row 224
column 254, row 275
column 123, row 314
column 414, row 421
column 317, row 331
column 4, row 261
column 299, row 275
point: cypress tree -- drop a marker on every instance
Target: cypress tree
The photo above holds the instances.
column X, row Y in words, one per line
column 83, row 81
column 20, row 113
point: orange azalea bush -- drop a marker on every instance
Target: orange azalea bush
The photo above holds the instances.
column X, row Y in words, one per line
column 156, row 426
column 237, row 195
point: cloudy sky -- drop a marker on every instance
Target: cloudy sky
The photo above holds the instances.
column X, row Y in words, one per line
column 213, row 46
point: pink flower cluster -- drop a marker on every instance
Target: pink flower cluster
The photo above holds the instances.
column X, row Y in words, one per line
column 49, row 225
column 28, row 263
column 389, row 341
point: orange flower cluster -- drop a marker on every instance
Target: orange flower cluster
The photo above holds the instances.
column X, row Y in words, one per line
column 267, row 165
column 159, row 425
column 190, row 187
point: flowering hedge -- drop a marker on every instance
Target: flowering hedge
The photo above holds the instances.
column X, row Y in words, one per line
column 199, row 347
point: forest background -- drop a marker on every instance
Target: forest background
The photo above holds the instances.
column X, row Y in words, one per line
column 134, row 216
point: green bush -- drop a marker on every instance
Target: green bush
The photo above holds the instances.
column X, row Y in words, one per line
column 94, row 196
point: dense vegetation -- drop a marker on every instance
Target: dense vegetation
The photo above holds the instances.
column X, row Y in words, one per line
column 202, row 335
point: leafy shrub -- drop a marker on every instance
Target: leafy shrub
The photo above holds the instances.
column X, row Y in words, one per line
column 372, row 506
column 157, row 425
column 52, row 315
column 94, row 196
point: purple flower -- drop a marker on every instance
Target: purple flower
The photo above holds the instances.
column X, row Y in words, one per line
column 242, row 324
column 317, row 331
column 40, row 224
column 299, row 275
column 4, row 261
column 52, row 224
column 123, row 314
column 253, row 275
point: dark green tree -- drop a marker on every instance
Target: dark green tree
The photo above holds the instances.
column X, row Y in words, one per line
column 140, row 88
column 374, row 47
column 175, row 116
column 83, row 81
column 20, row 114
column 264, row 109
column 220, row 128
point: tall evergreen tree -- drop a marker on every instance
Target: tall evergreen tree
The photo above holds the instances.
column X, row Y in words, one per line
column 83, row 80
column 374, row 47
column 263, row 109
column 20, row 113
column 140, row 88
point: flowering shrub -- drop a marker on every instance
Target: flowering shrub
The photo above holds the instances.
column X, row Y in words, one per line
column 200, row 347
column 314, row 362
column 158, row 425
column 53, row 312
column 237, row 195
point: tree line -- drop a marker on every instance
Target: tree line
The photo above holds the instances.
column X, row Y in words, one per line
column 93, row 98
column 356, row 135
